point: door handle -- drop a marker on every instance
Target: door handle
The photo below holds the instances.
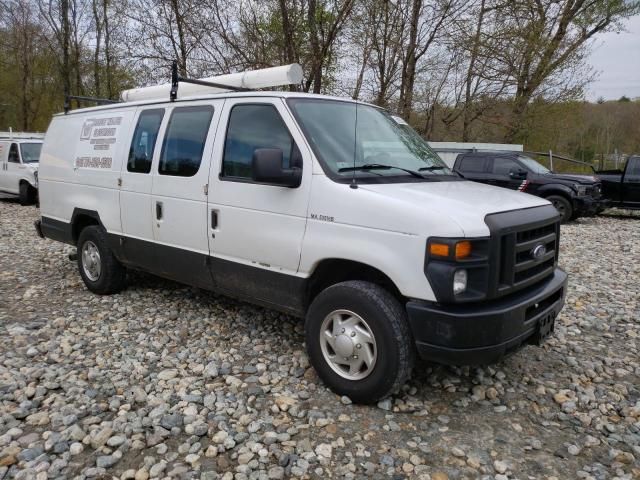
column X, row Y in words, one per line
column 158, row 210
column 214, row 219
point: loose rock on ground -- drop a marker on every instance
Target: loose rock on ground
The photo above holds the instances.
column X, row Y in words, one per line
column 168, row 381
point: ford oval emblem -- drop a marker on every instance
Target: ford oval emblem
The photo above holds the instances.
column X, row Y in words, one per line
column 538, row 251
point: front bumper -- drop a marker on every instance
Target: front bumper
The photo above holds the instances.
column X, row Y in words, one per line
column 482, row 333
column 588, row 206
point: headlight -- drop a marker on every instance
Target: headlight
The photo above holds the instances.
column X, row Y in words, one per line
column 458, row 268
column 581, row 190
column 460, row 281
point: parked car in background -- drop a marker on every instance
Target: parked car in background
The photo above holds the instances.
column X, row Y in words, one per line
column 622, row 187
column 19, row 157
column 572, row 195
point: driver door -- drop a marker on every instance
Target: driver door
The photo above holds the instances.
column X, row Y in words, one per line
column 256, row 230
column 505, row 172
column 12, row 169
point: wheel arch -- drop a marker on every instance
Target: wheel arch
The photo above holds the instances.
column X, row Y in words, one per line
column 557, row 189
column 331, row 271
column 82, row 218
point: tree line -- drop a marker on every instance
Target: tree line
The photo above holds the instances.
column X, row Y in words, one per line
column 469, row 70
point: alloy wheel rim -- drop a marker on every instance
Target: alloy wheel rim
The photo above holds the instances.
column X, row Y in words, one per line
column 348, row 344
column 91, row 263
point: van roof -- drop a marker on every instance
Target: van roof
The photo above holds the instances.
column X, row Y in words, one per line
column 213, row 96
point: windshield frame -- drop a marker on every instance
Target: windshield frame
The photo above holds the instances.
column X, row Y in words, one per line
column 401, row 177
column 23, row 158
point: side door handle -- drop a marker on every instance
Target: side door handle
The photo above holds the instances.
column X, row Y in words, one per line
column 158, row 210
column 214, row 219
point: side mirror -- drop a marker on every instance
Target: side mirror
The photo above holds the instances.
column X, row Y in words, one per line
column 267, row 168
column 518, row 173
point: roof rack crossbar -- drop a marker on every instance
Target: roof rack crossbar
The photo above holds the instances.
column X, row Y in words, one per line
column 176, row 79
column 80, row 98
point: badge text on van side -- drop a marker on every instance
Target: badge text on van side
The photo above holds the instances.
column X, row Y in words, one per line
column 322, row 218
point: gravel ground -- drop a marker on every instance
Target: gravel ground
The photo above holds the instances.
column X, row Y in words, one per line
column 169, row 381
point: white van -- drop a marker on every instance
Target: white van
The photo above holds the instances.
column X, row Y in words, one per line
column 268, row 197
column 19, row 156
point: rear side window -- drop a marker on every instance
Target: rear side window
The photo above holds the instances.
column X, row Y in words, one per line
column 472, row 164
column 502, row 166
column 144, row 141
column 184, row 141
column 14, row 156
column 251, row 127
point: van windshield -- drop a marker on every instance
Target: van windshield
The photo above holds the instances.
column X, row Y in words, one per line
column 30, row 152
column 374, row 148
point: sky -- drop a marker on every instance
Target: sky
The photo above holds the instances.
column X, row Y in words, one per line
column 616, row 60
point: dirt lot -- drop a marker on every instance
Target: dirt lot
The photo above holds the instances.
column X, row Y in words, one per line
column 169, row 381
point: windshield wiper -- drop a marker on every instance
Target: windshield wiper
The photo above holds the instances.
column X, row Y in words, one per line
column 379, row 166
column 431, row 168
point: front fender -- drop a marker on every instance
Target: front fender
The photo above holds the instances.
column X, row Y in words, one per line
column 556, row 189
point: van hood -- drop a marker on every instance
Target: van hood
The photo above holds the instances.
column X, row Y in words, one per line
column 465, row 203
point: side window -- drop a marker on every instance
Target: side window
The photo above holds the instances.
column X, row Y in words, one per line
column 472, row 164
column 184, row 141
column 502, row 166
column 144, row 141
column 251, row 127
column 13, row 153
column 634, row 167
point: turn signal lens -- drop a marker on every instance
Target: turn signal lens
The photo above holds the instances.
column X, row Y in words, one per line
column 463, row 249
column 439, row 249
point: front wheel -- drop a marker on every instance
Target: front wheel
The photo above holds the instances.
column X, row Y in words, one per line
column 563, row 206
column 99, row 268
column 358, row 340
column 27, row 194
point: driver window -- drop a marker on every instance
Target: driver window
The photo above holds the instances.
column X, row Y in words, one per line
column 253, row 126
column 502, row 166
column 13, row 153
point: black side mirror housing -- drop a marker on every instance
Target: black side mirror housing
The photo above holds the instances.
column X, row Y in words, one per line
column 267, row 168
column 518, row 173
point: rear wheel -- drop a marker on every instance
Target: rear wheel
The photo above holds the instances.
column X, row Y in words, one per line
column 358, row 340
column 563, row 206
column 27, row 194
column 99, row 268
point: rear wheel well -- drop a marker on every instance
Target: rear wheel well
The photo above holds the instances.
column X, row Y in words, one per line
column 80, row 222
column 332, row 271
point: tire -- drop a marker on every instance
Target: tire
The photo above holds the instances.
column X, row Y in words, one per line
column 26, row 194
column 110, row 276
column 563, row 206
column 384, row 318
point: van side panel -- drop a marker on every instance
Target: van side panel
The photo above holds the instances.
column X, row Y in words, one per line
column 80, row 165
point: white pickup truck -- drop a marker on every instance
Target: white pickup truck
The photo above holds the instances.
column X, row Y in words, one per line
column 320, row 207
column 19, row 156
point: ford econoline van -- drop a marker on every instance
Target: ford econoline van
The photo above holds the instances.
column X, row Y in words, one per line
column 321, row 207
column 19, row 157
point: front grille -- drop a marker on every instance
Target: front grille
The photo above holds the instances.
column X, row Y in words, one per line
column 526, row 253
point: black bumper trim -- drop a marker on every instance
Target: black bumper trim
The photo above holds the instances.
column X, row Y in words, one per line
column 56, row 230
column 483, row 333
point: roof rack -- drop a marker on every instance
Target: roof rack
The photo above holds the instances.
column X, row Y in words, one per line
column 248, row 80
column 176, row 79
column 11, row 135
column 79, row 98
